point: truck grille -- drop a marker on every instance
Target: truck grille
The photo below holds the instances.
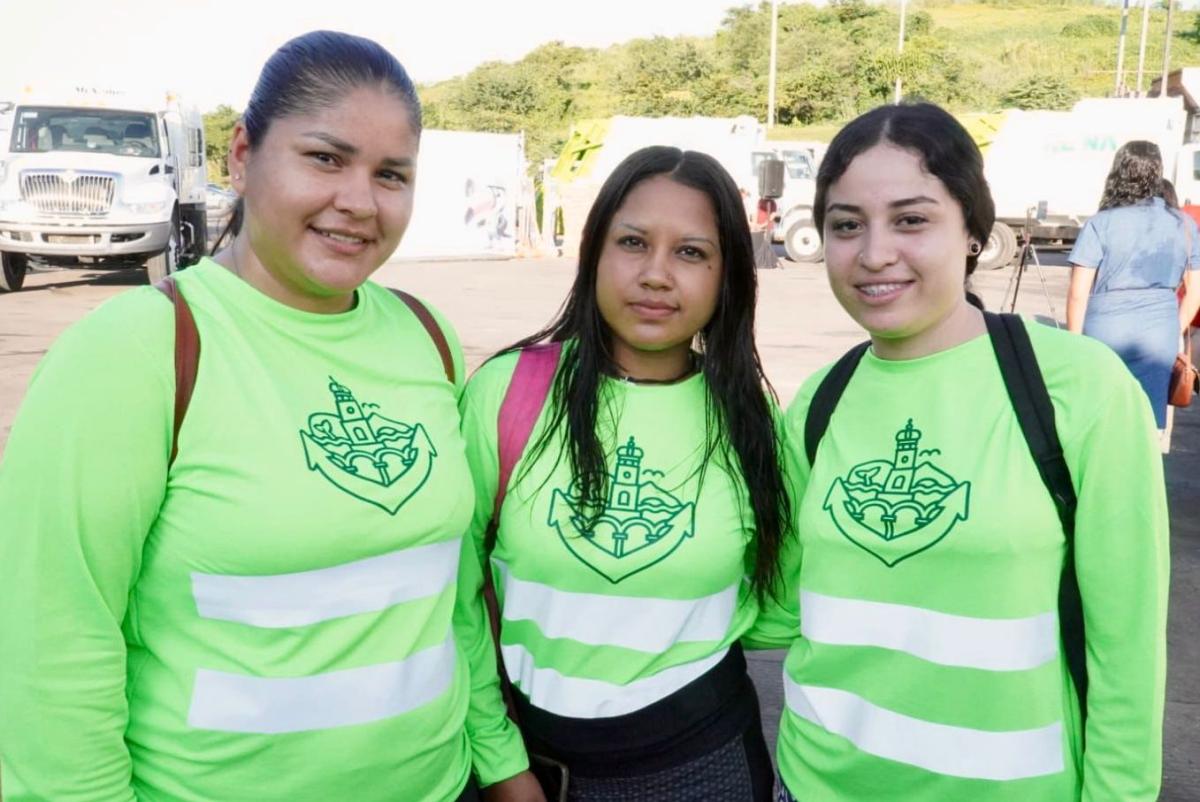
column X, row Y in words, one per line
column 68, row 192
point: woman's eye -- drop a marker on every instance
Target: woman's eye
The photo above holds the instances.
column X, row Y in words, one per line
column 910, row 220
column 393, row 177
column 844, row 226
column 692, row 253
column 630, row 241
column 322, row 157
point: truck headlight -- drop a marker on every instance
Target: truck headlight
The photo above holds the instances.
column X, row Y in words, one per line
column 155, row 207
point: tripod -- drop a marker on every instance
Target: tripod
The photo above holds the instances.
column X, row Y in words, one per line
column 1028, row 252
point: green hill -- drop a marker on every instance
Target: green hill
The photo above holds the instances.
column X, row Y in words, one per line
column 834, row 62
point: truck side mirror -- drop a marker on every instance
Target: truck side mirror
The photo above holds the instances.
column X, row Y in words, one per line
column 168, row 169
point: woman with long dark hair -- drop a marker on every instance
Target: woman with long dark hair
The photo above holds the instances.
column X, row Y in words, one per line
column 643, row 521
column 1127, row 264
column 231, row 511
column 979, row 601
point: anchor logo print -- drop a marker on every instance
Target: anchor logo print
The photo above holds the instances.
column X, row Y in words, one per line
column 374, row 458
column 896, row 510
column 642, row 524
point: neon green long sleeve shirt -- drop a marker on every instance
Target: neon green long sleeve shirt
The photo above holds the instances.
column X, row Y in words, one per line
column 928, row 664
column 270, row 617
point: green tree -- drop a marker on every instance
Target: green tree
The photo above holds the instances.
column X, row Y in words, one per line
column 1049, row 92
column 661, row 77
column 218, row 131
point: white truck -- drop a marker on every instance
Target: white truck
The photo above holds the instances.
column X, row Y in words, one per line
column 1047, row 169
column 794, row 225
column 90, row 176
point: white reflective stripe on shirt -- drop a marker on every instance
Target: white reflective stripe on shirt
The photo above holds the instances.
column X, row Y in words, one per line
column 1011, row 644
column 580, row 697
column 940, row 748
column 238, row 703
column 645, row 624
column 308, row 597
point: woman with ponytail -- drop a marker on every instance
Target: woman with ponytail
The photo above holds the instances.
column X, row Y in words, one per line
column 968, row 622
column 230, row 538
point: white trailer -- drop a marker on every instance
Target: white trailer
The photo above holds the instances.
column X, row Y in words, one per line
column 91, row 176
column 1047, row 169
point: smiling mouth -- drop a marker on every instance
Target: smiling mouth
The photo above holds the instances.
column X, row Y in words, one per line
column 336, row 236
column 882, row 290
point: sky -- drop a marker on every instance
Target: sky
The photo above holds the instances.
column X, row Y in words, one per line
column 211, row 50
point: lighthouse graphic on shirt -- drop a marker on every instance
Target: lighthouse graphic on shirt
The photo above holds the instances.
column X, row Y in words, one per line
column 372, row 457
column 897, row 509
column 641, row 524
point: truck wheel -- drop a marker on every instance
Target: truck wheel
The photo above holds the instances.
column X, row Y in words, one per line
column 167, row 262
column 999, row 250
column 802, row 242
column 12, row 276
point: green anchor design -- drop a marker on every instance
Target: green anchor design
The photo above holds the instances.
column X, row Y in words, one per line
column 371, row 457
column 896, row 510
column 642, row 524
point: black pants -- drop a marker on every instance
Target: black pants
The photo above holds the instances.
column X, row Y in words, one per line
column 470, row 793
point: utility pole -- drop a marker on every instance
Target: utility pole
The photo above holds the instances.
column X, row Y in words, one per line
column 1118, row 92
column 1162, row 92
column 900, row 47
column 1142, row 46
column 771, row 68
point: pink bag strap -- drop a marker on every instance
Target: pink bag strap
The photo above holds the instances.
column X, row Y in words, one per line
column 523, row 401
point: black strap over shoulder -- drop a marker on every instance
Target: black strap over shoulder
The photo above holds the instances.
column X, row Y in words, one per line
column 826, row 398
column 1035, row 413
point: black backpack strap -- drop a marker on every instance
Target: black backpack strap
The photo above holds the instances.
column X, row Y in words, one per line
column 187, row 357
column 826, row 398
column 1035, row 414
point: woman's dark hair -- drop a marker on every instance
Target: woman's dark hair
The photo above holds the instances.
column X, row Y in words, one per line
column 1166, row 191
column 316, row 71
column 946, row 150
column 1136, row 171
column 739, row 415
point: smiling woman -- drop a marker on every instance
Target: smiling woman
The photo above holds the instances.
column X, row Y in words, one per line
column 245, row 538
column 978, row 603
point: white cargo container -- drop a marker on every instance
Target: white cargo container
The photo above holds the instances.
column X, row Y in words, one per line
column 1047, row 168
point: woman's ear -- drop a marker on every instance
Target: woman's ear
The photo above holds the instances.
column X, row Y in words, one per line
column 239, row 157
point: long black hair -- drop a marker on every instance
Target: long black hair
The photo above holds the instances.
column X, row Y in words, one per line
column 739, row 418
column 315, row 71
column 946, row 150
column 1136, row 171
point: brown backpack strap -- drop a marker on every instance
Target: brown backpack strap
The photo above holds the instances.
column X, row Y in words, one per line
column 432, row 328
column 187, row 356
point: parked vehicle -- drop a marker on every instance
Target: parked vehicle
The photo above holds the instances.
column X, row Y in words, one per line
column 793, row 223
column 1047, row 169
column 91, row 176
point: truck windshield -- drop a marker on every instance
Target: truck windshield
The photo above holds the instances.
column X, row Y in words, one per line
column 46, row 129
column 798, row 164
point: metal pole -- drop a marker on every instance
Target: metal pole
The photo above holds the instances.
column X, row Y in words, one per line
column 771, row 69
column 1121, row 48
column 900, row 47
column 1162, row 91
column 1142, row 46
